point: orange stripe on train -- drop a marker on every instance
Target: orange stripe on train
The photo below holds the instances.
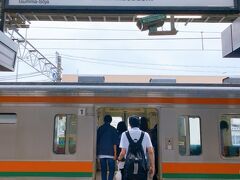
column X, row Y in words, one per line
column 201, row 168
column 45, row 166
column 114, row 100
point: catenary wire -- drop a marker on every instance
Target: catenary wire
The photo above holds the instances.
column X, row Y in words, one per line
column 124, row 49
column 20, row 76
column 123, row 39
column 139, row 63
column 139, row 67
column 107, row 29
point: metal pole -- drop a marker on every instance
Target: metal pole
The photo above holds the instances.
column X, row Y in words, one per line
column 202, row 41
column 3, row 17
column 172, row 23
column 59, row 67
column 17, row 69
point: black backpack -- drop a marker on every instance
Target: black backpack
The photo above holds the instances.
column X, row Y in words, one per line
column 135, row 167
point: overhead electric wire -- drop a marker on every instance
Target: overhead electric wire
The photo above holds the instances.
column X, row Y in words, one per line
column 139, row 67
column 96, row 61
column 148, row 64
column 84, row 29
column 124, row 49
column 123, row 39
column 200, row 32
column 107, row 29
column 19, row 76
column 26, row 74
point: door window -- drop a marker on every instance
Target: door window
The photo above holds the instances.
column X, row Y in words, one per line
column 65, row 134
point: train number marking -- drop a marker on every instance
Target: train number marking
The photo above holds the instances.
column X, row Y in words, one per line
column 81, row 111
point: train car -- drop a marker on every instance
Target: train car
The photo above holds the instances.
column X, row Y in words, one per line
column 48, row 130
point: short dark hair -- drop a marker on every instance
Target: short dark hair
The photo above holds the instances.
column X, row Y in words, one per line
column 121, row 127
column 134, row 121
column 223, row 125
column 144, row 124
column 108, row 119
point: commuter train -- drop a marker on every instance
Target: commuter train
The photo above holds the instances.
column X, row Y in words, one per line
column 48, row 130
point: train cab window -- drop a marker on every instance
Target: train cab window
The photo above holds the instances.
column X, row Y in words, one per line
column 8, row 118
column 65, row 134
column 189, row 136
column 230, row 135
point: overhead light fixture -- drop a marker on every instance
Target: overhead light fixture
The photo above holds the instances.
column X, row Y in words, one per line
column 175, row 16
column 186, row 17
column 142, row 15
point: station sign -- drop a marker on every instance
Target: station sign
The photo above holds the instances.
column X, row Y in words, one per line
column 8, row 53
column 114, row 6
column 231, row 40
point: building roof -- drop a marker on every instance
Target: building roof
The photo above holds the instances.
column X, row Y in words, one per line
column 147, row 78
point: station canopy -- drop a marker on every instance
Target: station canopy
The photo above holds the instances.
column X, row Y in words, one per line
column 123, row 6
column 209, row 11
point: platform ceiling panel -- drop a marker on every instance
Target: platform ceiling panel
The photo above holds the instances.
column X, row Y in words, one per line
column 211, row 11
column 20, row 19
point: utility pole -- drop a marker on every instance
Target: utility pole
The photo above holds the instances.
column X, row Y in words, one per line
column 59, row 68
column 17, row 68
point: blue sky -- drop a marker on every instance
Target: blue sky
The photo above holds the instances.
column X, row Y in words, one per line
column 89, row 48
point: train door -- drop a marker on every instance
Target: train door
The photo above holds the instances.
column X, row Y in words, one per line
column 122, row 114
column 73, row 139
column 181, row 138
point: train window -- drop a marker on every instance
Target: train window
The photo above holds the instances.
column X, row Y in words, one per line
column 230, row 135
column 8, row 118
column 189, row 136
column 65, row 134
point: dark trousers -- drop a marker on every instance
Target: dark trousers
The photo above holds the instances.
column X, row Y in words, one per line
column 136, row 177
column 111, row 166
